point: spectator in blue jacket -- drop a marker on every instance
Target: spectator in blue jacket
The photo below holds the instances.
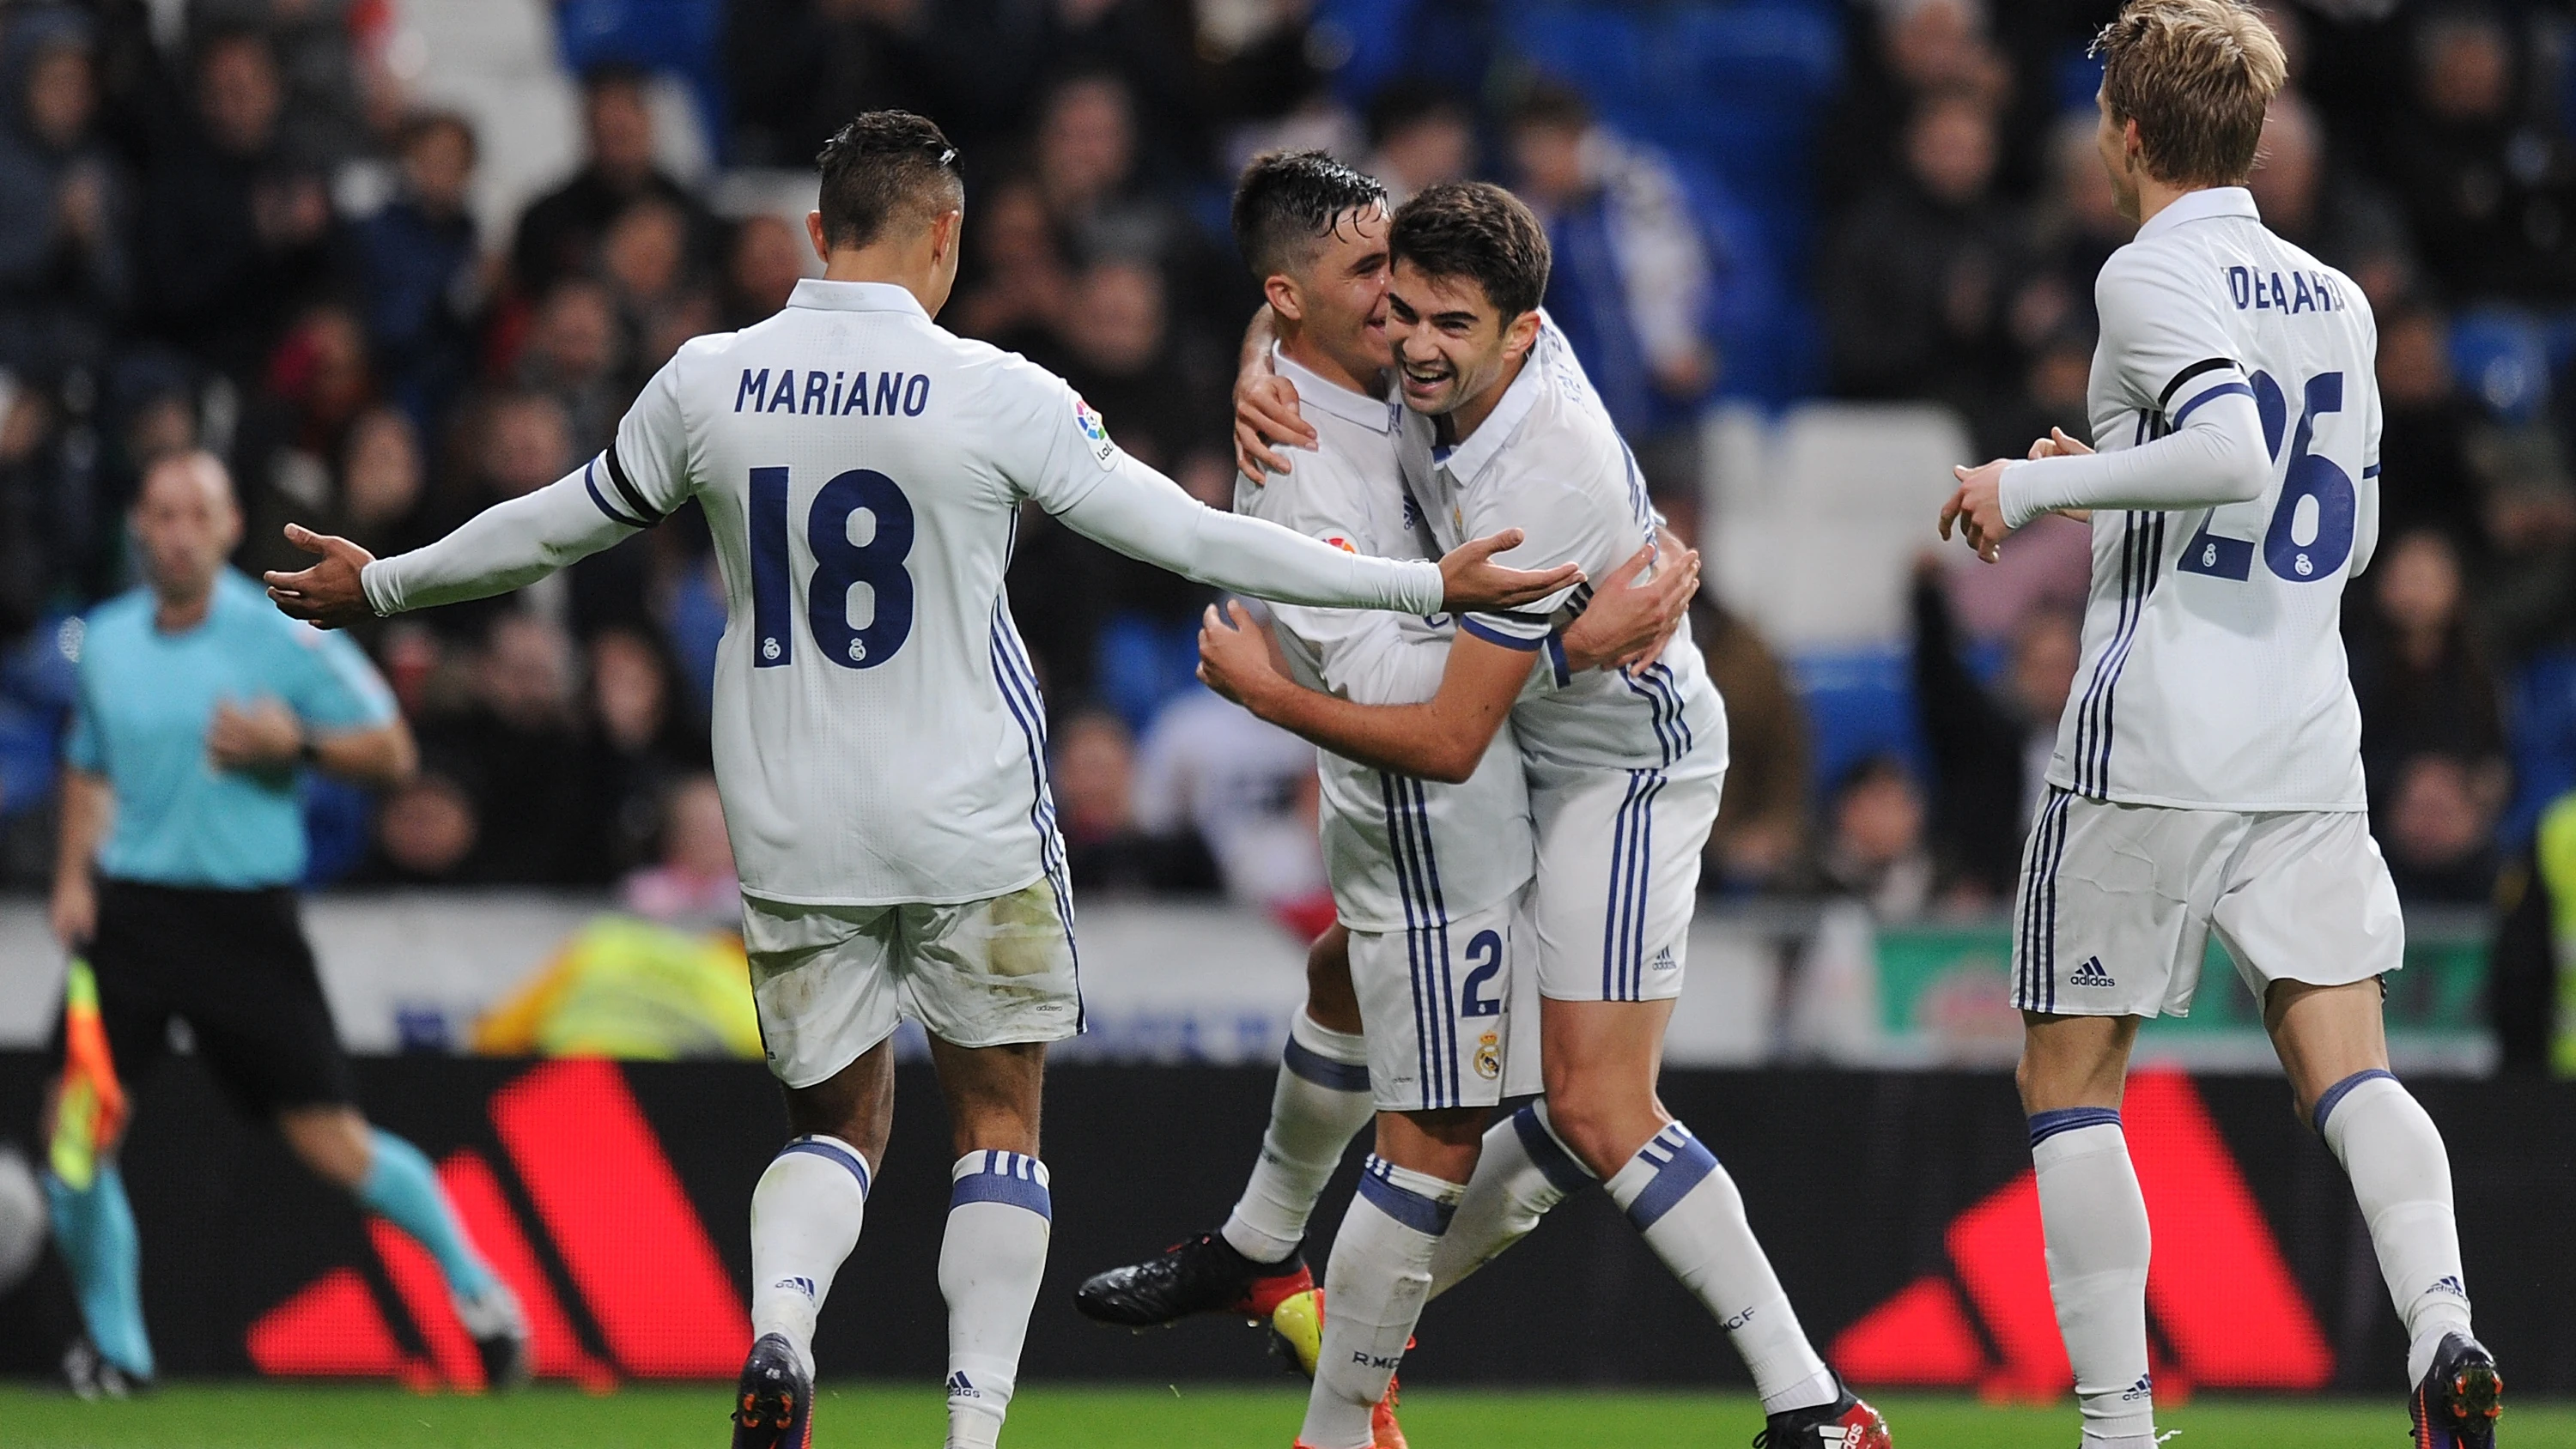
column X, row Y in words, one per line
column 421, row 269
column 1635, row 280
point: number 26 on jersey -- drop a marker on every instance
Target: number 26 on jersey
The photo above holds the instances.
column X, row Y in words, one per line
column 2312, row 483
column 859, row 531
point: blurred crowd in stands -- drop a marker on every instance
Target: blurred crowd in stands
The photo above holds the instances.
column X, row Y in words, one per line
column 237, row 224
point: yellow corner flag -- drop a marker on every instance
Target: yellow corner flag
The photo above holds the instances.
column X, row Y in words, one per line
column 89, row 1106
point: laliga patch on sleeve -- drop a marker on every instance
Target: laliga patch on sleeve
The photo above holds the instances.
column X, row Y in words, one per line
column 1095, row 433
column 1338, row 541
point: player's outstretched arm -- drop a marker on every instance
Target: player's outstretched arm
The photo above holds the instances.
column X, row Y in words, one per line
column 507, row 546
column 1442, row 738
column 1145, row 515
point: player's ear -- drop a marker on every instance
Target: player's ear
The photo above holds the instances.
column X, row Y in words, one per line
column 1280, row 291
column 1522, row 335
column 945, row 229
column 814, row 234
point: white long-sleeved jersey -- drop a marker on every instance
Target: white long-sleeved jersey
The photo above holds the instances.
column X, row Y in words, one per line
column 878, row 732
column 1548, row 461
column 1399, row 851
column 2236, row 407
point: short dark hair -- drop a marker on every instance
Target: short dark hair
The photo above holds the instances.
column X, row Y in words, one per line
column 1477, row 230
column 881, row 167
column 1553, row 105
column 1288, row 201
column 615, row 75
column 1409, row 101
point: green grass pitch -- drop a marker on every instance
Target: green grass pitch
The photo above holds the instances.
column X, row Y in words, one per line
column 1047, row 1416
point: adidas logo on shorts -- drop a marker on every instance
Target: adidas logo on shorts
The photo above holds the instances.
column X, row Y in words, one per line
column 1664, row 960
column 2091, row 974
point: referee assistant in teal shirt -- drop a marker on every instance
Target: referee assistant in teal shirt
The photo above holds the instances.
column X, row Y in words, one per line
column 182, row 841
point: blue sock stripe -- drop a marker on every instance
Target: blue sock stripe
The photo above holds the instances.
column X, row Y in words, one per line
column 1004, row 1177
column 1322, row 1070
column 2044, row 1125
column 2328, row 1099
column 1554, row 1163
column 1424, row 1215
column 1689, row 1164
column 832, row 1152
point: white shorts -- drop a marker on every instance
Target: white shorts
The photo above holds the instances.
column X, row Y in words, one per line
column 830, row 982
column 1451, row 1010
column 2117, row 903
column 1618, row 878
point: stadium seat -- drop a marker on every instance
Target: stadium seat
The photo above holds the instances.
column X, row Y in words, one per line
column 2502, row 359
column 497, row 64
column 1859, row 703
column 2543, row 733
column 1814, row 523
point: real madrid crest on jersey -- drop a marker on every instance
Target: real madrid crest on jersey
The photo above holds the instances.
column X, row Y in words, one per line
column 1489, row 1056
column 1094, row 432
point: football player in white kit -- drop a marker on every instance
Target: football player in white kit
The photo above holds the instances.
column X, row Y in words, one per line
column 879, row 739
column 2208, row 774
column 1421, row 1006
column 1623, row 770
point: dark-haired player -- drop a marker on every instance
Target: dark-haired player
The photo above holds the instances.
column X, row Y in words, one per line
column 879, row 739
column 1623, row 771
column 1430, row 956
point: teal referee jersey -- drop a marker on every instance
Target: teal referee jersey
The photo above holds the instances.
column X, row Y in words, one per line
column 140, row 716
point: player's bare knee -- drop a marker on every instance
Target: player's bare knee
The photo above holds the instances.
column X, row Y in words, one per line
column 854, row 1104
column 993, row 1094
column 332, row 1141
column 1330, row 998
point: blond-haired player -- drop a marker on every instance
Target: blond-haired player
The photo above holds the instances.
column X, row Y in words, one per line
column 2207, row 775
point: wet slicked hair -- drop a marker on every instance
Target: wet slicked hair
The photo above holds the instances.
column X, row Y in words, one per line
column 884, row 168
column 2196, row 76
column 1289, row 201
column 1477, row 230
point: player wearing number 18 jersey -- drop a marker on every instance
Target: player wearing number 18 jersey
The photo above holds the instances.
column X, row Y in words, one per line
column 879, row 738
column 2207, row 775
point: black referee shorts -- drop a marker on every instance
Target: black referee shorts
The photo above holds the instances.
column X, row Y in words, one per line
column 234, row 965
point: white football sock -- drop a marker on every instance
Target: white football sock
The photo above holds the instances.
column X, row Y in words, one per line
column 1689, row 1212
column 806, row 1212
column 1321, row 1100
column 2402, row 1178
column 2095, row 1222
column 1521, row 1171
column 1375, row 1286
column 999, row 1219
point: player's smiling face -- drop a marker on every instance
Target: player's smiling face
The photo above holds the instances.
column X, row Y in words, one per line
column 1451, row 343
column 1344, row 292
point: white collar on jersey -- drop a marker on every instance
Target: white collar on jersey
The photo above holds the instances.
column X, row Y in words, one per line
column 2200, row 206
column 1314, row 390
column 1469, row 458
column 855, row 297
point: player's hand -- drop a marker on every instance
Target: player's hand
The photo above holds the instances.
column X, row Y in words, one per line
column 262, row 737
column 328, row 593
column 74, row 910
column 1475, row 581
column 1633, row 617
column 1978, row 509
column 1266, row 421
column 2058, row 444
column 1237, row 657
